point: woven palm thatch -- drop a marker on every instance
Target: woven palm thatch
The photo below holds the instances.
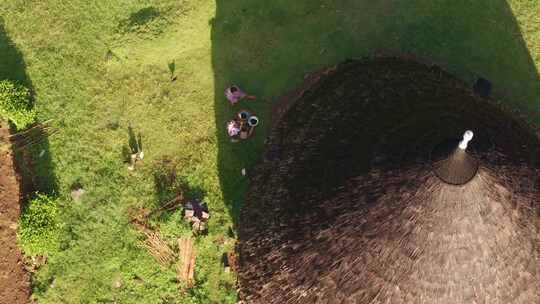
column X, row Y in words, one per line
column 353, row 211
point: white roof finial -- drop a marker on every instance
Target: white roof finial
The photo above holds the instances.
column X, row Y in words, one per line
column 467, row 136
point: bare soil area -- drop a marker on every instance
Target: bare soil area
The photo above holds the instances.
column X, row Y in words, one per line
column 14, row 283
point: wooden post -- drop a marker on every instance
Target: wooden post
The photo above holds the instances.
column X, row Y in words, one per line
column 185, row 268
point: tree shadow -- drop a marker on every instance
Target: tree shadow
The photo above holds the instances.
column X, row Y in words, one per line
column 34, row 163
column 140, row 18
column 169, row 184
column 268, row 47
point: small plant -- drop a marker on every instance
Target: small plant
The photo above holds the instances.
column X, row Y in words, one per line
column 172, row 70
column 134, row 152
column 15, row 104
column 39, row 226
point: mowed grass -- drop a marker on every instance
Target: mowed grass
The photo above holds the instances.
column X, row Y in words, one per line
column 98, row 67
column 93, row 97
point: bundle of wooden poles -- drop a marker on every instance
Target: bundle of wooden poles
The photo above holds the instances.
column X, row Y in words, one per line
column 33, row 135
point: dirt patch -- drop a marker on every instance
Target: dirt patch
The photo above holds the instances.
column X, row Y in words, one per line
column 14, row 283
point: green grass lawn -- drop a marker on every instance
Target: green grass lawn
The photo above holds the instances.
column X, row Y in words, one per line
column 97, row 67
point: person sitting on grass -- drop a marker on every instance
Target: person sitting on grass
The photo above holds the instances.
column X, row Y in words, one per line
column 234, row 127
column 246, row 131
column 196, row 213
column 234, row 94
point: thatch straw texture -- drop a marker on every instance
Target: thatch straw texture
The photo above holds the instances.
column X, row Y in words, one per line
column 353, row 212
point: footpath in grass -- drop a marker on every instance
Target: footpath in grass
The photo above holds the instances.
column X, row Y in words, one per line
column 99, row 67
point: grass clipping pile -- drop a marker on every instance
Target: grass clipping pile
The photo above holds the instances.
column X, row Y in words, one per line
column 14, row 283
column 351, row 211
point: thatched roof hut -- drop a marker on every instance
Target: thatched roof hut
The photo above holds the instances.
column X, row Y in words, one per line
column 356, row 208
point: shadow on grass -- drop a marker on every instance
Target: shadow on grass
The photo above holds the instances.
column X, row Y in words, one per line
column 169, row 185
column 140, row 18
column 267, row 48
column 34, row 162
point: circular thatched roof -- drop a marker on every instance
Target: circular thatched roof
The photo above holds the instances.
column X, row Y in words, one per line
column 351, row 210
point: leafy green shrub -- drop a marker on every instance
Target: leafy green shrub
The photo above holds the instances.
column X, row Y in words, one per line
column 15, row 104
column 39, row 225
